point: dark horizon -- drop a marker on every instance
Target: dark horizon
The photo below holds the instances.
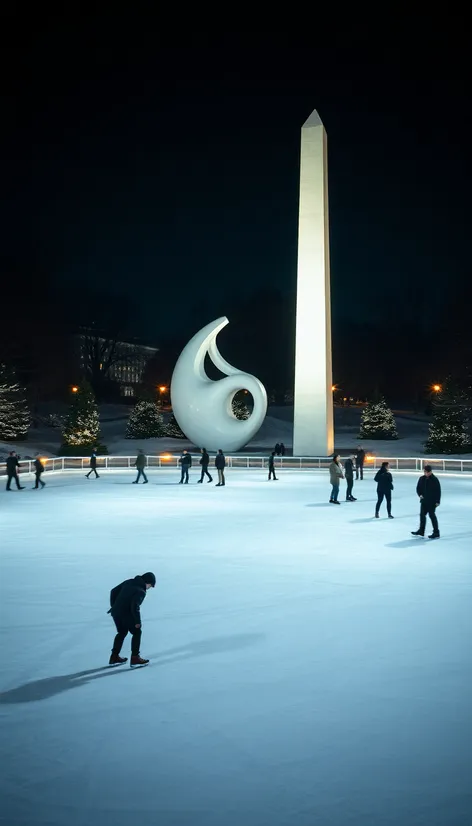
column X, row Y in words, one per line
column 169, row 175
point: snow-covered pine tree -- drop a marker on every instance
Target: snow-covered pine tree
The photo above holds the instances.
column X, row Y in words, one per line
column 145, row 421
column 172, row 430
column 15, row 417
column 378, row 421
column 240, row 408
column 448, row 431
column 81, row 425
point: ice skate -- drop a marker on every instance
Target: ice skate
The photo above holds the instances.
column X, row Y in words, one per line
column 136, row 659
column 115, row 659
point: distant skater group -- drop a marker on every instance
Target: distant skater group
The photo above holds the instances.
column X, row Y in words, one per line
column 428, row 490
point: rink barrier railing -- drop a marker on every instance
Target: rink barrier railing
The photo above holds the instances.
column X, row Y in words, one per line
column 167, row 461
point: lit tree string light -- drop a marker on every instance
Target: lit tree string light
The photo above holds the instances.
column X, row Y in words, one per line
column 378, row 421
column 15, row 417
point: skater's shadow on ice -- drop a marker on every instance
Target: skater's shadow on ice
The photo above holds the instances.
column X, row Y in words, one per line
column 203, row 648
column 318, row 505
column 406, row 543
column 420, row 541
column 50, row 686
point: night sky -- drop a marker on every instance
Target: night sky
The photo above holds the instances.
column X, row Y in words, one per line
column 167, row 170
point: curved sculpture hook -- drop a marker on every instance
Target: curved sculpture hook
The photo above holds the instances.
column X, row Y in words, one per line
column 202, row 407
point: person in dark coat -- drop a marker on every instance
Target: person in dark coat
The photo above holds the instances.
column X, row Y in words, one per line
column 140, row 464
column 360, row 459
column 125, row 608
column 13, row 464
column 205, row 461
column 220, row 464
column 93, row 464
column 384, row 480
column 429, row 491
column 271, row 467
column 349, row 474
column 185, row 463
column 282, row 449
column 38, row 470
column 277, row 449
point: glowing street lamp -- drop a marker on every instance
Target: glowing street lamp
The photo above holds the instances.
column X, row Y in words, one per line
column 437, row 388
column 162, row 388
column 75, row 388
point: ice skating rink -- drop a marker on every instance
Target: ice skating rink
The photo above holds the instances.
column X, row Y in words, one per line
column 310, row 665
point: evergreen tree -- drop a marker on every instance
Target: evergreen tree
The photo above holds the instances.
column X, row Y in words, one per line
column 81, row 425
column 448, row 431
column 15, row 417
column 240, row 408
column 173, row 430
column 378, row 421
column 145, row 422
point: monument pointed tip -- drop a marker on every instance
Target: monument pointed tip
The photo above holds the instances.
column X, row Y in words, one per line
column 313, row 120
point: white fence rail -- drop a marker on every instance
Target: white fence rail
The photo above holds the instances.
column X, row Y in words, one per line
column 81, row 463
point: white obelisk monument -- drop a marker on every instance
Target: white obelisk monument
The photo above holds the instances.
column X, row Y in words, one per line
column 313, row 430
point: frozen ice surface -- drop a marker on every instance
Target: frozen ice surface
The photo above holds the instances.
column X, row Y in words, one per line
column 310, row 666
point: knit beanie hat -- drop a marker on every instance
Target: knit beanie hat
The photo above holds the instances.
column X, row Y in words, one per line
column 150, row 579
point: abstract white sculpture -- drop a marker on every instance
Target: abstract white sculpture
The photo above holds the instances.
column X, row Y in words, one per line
column 202, row 407
column 313, row 431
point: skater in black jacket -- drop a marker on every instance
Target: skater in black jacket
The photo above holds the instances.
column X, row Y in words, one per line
column 271, row 467
column 38, row 470
column 360, row 459
column 13, row 463
column 384, row 480
column 93, row 464
column 205, row 461
column 220, row 464
column 125, row 608
column 429, row 491
column 185, row 463
column 349, row 474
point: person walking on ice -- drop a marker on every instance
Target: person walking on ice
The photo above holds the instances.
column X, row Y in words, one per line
column 38, row 470
column 13, row 464
column 220, row 464
column 349, row 474
column 360, row 459
column 429, row 491
column 384, row 480
column 185, row 463
column 205, row 461
column 335, row 476
column 125, row 608
column 140, row 464
column 271, row 467
column 93, row 464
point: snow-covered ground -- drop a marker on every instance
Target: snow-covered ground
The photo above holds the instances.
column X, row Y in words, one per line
column 309, row 664
column 277, row 427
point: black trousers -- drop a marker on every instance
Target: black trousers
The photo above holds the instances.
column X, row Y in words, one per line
column 359, row 470
column 221, row 476
column 123, row 627
column 205, row 473
column 272, row 473
column 388, row 499
column 38, row 481
column 428, row 509
column 184, row 474
column 141, row 473
column 15, row 477
column 92, row 470
column 349, row 486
